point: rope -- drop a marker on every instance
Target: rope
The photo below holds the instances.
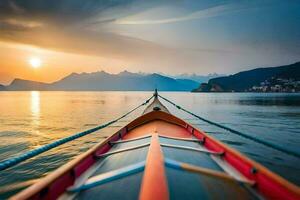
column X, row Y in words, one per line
column 266, row 143
column 30, row 154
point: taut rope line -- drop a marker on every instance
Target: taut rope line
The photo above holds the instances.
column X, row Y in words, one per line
column 266, row 143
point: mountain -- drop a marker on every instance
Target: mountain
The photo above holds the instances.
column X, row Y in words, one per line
column 283, row 76
column 103, row 81
column 2, row 87
column 20, row 84
column 198, row 78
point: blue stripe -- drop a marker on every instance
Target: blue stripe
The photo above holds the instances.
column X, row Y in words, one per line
column 173, row 164
column 111, row 176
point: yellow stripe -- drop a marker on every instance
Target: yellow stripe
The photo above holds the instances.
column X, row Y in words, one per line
column 212, row 173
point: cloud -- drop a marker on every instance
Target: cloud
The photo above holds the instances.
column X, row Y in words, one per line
column 15, row 8
column 200, row 14
column 45, row 25
column 103, row 44
column 107, row 29
column 21, row 23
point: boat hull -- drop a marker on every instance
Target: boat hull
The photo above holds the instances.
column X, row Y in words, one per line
column 161, row 124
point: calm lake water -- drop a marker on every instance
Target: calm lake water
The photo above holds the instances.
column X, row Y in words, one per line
column 31, row 119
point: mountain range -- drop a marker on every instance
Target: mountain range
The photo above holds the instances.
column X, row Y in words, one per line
column 283, row 76
column 198, row 78
column 103, row 81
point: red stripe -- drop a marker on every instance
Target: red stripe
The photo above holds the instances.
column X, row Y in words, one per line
column 154, row 184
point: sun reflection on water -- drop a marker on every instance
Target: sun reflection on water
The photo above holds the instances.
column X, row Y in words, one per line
column 35, row 104
column 35, row 109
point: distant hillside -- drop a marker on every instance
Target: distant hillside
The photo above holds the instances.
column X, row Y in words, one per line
column 102, row 81
column 246, row 80
column 198, row 78
column 2, row 87
column 19, row 84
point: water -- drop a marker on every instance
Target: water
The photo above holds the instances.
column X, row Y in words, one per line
column 31, row 119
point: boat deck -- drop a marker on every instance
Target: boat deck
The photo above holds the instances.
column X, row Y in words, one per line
column 159, row 156
column 181, row 184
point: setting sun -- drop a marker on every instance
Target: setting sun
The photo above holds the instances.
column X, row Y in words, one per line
column 35, row 62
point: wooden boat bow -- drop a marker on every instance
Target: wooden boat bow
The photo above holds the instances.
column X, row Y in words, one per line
column 156, row 105
column 160, row 156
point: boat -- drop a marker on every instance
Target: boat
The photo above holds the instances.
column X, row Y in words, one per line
column 159, row 156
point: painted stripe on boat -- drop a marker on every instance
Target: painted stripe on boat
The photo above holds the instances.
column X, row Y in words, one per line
column 191, row 149
column 122, row 150
column 154, row 184
column 205, row 171
column 229, row 169
column 109, row 176
column 236, row 174
column 130, row 140
column 181, row 139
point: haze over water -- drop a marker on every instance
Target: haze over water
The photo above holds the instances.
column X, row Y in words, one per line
column 31, row 119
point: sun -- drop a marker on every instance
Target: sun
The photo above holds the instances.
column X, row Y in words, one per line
column 35, row 62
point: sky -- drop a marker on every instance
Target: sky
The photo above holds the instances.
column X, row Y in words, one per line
column 165, row 36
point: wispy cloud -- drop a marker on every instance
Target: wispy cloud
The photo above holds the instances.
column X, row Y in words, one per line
column 21, row 23
column 111, row 30
column 15, row 7
column 200, row 14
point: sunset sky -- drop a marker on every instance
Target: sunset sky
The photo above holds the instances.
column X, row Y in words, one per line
column 168, row 36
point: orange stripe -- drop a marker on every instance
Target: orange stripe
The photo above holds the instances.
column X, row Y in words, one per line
column 154, row 184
